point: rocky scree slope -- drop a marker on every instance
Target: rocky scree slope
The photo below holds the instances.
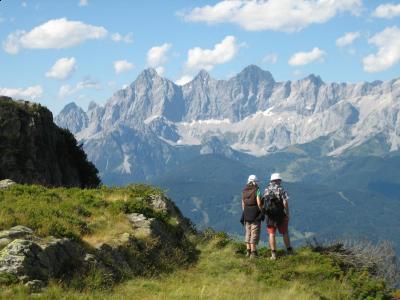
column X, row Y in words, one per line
column 34, row 150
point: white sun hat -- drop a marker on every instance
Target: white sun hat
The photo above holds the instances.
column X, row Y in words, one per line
column 252, row 178
column 276, row 176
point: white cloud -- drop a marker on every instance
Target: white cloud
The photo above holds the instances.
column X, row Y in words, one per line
column 24, row 4
column 387, row 11
column 83, row 2
column 54, row 34
column 279, row 15
column 347, row 39
column 122, row 66
column 117, row 37
column 388, row 44
column 270, row 58
column 31, row 93
column 157, row 56
column 184, row 79
column 67, row 90
column 305, row 58
column 223, row 52
column 62, row 68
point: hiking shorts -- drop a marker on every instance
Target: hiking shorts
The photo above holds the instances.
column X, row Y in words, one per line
column 252, row 232
column 282, row 228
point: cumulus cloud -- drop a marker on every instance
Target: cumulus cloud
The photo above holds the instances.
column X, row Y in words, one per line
column 83, row 2
column 62, row 68
column 31, row 93
column 278, row 15
column 121, row 66
column 222, row 52
column 388, row 44
column 184, row 79
column 347, row 39
column 54, row 34
column 305, row 58
column 67, row 90
column 387, row 11
column 157, row 56
column 270, row 58
column 117, row 37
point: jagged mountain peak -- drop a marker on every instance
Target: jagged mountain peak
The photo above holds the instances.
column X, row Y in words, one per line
column 202, row 75
column 315, row 79
column 148, row 75
column 72, row 117
column 92, row 105
column 254, row 73
column 70, row 106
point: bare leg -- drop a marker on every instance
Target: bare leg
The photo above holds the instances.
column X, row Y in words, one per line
column 286, row 240
column 272, row 241
column 248, row 246
column 253, row 247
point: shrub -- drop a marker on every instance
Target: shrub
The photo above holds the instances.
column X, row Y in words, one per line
column 371, row 268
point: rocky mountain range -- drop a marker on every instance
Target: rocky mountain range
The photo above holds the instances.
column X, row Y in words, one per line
column 336, row 145
column 152, row 124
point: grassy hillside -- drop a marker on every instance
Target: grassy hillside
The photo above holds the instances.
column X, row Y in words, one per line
column 222, row 272
column 90, row 215
column 96, row 220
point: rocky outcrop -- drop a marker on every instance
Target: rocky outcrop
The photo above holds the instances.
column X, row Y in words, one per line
column 6, row 183
column 35, row 260
column 31, row 258
column 34, row 150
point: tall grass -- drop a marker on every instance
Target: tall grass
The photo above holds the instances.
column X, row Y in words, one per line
column 222, row 272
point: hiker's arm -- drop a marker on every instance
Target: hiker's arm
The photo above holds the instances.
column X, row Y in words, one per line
column 286, row 203
column 242, row 204
column 259, row 202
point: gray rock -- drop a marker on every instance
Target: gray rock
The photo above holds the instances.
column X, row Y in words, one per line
column 4, row 242
column 40, row 258
column 151, row 227
column 16, row 232
column 6, row 183
column 35, row 286
column 163, row 204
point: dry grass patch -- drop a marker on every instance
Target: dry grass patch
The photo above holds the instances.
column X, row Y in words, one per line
column 107, row 229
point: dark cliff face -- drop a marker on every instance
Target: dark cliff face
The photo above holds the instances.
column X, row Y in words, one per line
column 34, row 150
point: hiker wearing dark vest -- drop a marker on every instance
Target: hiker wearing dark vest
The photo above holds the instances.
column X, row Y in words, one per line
column 252, row 215
column 276, row 202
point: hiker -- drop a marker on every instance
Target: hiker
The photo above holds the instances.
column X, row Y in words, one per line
column 252, row 215
column 277, row 210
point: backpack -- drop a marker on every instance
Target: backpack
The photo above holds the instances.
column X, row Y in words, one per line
column 250, row 195
column 274, row 207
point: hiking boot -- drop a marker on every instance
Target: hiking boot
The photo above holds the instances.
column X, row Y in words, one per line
column 253, row 255
column 273, row 255
column 289, row 251
column 248, row 252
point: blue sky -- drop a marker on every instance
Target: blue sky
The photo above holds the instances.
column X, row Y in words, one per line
column 55, row 52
